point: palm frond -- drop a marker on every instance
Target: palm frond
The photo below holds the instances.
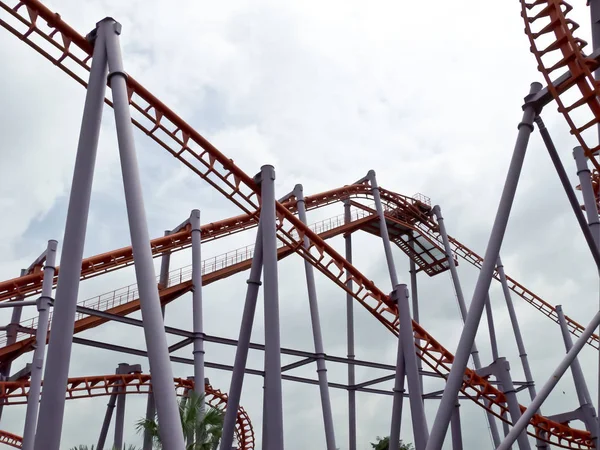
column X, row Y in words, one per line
column 202, row 424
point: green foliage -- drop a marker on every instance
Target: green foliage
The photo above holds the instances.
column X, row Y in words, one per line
column 202, row 428
column 384, row 444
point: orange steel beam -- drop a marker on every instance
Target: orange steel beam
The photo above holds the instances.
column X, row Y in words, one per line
column 15, row 393
column 193, row 150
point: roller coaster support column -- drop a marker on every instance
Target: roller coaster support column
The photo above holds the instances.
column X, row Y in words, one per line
column 385, row 237
column 197, row 305
column 406, row 336
column 595, row 16
column 241, row 354
column 122, row 369
column 456, row 429
column 120, row 417
column 572, row 197
column 516, row 329
column 163, row 281
column 591, row 209
column 110, row 406
column 158, row 352
column 501, row 369
column 11, row 335
column 350, row 335
column 316, row 327
column 420, row 431
column 41, row 335
column 463, row 310
column 519, row 339
column 52, row 405
column 491, row 328
column 415, row 306
column 398, row 399
column 587, row 192
column 583, row 394
column 467, row 338
column 493, row 342
column 273, row 393
column 550, row 384
column 11, row 329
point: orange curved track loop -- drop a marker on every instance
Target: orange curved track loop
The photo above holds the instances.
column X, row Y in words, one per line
column 15, row 393
column 556, row 48
column 53, row 38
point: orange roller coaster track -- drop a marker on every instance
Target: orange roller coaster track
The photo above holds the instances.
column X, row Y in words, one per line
column 70, row 51
column 551, row 35
column 15, row 393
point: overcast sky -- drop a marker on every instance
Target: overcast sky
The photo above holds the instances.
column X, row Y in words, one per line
column 428, row 94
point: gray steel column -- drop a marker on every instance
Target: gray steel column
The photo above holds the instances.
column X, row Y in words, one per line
column 516, row 329
column 550, row 384
column 273, row 393
column 52, row 406
column 186, row 395
column 467, row 338
column 419, row 421
column 462, row 306
column 398, row 399
column 587, row 191
column 493, row 343
column 41, row 335
column 158, row 352
column 350, row 335
column 463, row 310
column 583, row 394
column 11, row 336
column 566, row 183
column 265, row 422
column 406, row 335
column 110, row 406
column 316, row 327
column 505, row 426
column 503, row 373
column 491, row 328
column 385, row 237
column 595, row 16
column 120, row 417
column 197, row 304
column 591, row 208
column 165, row 265
column 163, row 280
column 241, row 354
column 455, row 428
column 415, row 307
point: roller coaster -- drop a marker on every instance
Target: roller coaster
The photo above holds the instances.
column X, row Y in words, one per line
column 411, row 223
